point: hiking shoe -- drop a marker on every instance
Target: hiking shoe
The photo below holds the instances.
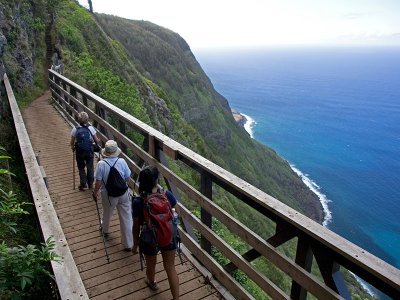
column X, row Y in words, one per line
column 152, row 285
column 105, row 234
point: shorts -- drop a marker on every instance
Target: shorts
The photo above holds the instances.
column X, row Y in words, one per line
column 149, row 250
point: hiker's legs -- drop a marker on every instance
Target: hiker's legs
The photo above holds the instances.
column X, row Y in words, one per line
column 80, row 161
column 89, row 169
column 109, row 204
column 151, row 261
column 169, row 266
column 125, row 220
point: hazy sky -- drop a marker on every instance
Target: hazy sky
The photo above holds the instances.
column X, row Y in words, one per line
column 220, row 23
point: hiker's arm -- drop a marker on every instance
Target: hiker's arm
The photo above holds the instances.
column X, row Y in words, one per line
column 72, row 143
column 97, row 186
column 96, row 139
column 177, row 209
column 172, row 200
column 136, row 230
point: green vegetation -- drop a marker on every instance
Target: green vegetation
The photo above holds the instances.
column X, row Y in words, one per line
column 24, row 270
column 150, row 72
column 26, row 33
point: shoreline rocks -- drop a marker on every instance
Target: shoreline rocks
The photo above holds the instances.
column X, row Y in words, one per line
column 239, row 118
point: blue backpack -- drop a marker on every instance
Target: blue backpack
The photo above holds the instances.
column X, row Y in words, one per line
column 83, row 139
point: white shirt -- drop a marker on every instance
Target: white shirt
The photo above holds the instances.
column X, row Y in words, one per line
column 90, row 127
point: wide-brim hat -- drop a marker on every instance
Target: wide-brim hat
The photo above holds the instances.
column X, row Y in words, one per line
column 111, row 149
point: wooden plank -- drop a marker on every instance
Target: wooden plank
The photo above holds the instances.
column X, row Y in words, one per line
column 288, row 266
column 207, row 275
column 266, row 285
column 66, row 274
column 220, row 274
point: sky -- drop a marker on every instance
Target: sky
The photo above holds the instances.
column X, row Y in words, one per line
column 254, row 23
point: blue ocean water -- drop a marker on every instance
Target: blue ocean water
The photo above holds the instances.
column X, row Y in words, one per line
column 334, row 113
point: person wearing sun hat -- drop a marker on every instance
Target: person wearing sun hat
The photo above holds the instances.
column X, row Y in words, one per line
column 110, row 155
column 82, row 138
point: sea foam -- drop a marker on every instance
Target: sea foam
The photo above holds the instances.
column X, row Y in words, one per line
column 316, row 189
column 248, row 126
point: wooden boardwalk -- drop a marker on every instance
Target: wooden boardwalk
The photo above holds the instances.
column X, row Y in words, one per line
column 122, row 277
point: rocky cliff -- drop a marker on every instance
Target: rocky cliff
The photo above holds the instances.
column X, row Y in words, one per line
column 150, row 72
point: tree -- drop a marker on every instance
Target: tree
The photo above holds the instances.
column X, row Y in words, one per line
column 90, row 6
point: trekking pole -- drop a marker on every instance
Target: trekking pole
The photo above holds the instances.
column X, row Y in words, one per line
column 101, row 228
column 179, row 251
column 141, row 260
column 73, row 169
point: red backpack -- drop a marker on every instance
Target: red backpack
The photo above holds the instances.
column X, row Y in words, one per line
column 157, row 229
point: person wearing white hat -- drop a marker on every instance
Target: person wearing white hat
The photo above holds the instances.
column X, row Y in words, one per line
column 110, row 155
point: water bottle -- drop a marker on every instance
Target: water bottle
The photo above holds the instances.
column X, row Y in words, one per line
column 175, row 217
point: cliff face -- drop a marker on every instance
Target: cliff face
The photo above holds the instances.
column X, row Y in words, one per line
column 16, row 51
column 165, row 58
column 150, row 72
column 22, row 54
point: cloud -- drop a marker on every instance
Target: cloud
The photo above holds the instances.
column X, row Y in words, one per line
column 371, row 39
column 360, row 15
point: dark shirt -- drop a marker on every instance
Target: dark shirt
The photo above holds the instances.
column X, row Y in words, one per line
column 137, row 205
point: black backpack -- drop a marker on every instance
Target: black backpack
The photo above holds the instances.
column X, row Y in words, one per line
column 116, row 185
column 83, row 139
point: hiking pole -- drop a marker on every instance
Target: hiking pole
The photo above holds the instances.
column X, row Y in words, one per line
column 73, row 168
column 141, row 259
column 101, row 228
column 179, row 251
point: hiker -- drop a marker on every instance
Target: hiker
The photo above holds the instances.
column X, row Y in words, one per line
column 112, row 195
column 82, row 138
column 148, row 187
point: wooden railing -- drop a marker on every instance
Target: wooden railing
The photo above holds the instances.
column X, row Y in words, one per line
column 68, row 280
column 313, row 242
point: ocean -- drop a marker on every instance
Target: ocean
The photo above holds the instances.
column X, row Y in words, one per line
column 334, row 114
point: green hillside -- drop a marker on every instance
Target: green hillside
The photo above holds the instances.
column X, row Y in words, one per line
column 150, row 72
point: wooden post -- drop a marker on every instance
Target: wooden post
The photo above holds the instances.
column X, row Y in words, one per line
column 152, row 146
column 186, row 225
column 283, row 233
column 101, row 113
column 64, row 96
column 84, row 100
column 206, row 218
column 122, row 129
column 51, row 78
column 73, row 93
column 304, row 258
column 330, row 271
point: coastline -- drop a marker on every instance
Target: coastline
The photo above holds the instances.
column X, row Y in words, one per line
column 248, row 123
column 245, row 121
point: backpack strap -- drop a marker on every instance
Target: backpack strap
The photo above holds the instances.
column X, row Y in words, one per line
column 109, row 166
column 87, row 127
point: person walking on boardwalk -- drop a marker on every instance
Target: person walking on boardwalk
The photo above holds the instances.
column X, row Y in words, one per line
column 82, row 138
column 148, row 189
column 112, row 174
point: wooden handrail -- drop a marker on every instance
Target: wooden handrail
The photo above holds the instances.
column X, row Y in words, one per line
column 68, row 280
column 330, row 250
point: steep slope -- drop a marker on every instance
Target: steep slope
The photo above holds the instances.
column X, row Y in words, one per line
column 165, row 58
column 151, row 73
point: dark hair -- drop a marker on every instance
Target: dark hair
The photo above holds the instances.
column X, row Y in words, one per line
column 147, row 179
